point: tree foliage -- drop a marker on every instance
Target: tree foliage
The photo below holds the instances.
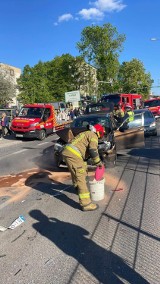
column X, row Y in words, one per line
column 48, row 81
column 101, row 46
column 33, row 84
column 132, row 78
column 7, row 89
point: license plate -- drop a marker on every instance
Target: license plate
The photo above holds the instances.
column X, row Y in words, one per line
column 19, row 135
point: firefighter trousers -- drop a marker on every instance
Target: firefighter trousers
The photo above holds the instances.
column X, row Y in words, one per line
column 78, row 170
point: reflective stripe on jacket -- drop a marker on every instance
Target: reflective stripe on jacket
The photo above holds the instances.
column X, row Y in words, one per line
column 74, row 150
column 83, row 145
column 85, row 195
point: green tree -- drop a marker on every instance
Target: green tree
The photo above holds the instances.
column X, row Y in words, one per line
column 33, row 84
column 101, row 46
column 48, row 82
column 59, row 76
column 7, row 89
column 132, row 78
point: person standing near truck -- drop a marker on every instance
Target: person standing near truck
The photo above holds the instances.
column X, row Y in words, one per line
column 5, row 124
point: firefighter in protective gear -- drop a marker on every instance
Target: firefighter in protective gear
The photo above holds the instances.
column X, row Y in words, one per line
column 118, row 114
column 128, row 113
column 75, row 153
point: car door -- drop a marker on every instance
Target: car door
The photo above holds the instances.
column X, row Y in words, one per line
column 130, row 134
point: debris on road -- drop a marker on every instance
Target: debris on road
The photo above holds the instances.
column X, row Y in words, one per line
column 15, row 224
column 3, row 229
column 117, row 189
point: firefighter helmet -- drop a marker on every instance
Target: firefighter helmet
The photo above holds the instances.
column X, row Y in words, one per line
column 128, row 107
column 98, row 129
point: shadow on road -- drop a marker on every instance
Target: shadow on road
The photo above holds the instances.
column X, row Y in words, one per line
column 46, row 160
column 43, row 182
column 146, row 153
column 104, row 265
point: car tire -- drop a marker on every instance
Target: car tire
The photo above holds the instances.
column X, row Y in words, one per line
column 155, row 134
column 41, row 135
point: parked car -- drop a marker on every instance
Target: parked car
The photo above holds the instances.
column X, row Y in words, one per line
column 150, row 127
column 128, row 135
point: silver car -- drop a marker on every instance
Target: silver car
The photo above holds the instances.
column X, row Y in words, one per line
column 150, row 127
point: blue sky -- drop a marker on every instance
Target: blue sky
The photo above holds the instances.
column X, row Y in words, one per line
column 33, row 30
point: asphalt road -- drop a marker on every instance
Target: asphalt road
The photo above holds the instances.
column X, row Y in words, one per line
column 58, row 243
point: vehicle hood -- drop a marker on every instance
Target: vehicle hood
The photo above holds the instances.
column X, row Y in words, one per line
column 67, row 134
column 24, row 121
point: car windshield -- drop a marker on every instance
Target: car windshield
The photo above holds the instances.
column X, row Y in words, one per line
column 136, row 122
column 114, row 99
column 31, row 112
column 99, row 107
column 152, row 103
column 90, row 120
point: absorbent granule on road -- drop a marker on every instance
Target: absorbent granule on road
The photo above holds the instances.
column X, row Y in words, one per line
column 17, row 187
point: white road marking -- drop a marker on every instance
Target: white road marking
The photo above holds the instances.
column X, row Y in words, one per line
column 20, row 151
column 42, row 143
column 15, row 153
column 60, row 192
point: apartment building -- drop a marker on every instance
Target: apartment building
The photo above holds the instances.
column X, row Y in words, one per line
column 14, row 73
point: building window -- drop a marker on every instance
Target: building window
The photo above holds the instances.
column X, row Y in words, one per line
column 11, row 72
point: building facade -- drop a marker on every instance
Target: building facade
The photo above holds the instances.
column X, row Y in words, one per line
column 12, row 73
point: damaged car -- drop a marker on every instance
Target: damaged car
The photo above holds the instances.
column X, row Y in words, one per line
column 127, row 135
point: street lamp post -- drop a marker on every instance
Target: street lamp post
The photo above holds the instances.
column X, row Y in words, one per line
column 103, row 82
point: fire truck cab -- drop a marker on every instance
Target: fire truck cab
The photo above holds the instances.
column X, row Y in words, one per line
column 35, row 121
column 154, row 106
column 134, row 100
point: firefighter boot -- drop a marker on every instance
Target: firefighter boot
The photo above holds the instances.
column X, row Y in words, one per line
column 90, row 207
column 87, row 205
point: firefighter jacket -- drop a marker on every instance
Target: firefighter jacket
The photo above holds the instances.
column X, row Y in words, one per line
column 131, row 115
column 84, row 145
column 119, row 113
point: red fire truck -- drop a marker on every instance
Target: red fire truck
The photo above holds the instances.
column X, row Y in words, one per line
column 36, row 121
column 134, row 100
column 154, row 106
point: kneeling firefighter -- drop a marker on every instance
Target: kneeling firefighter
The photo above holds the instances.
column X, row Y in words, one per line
column 75, row 153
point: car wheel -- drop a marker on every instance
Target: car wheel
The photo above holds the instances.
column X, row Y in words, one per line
column 41, row 134
column 155, row 134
